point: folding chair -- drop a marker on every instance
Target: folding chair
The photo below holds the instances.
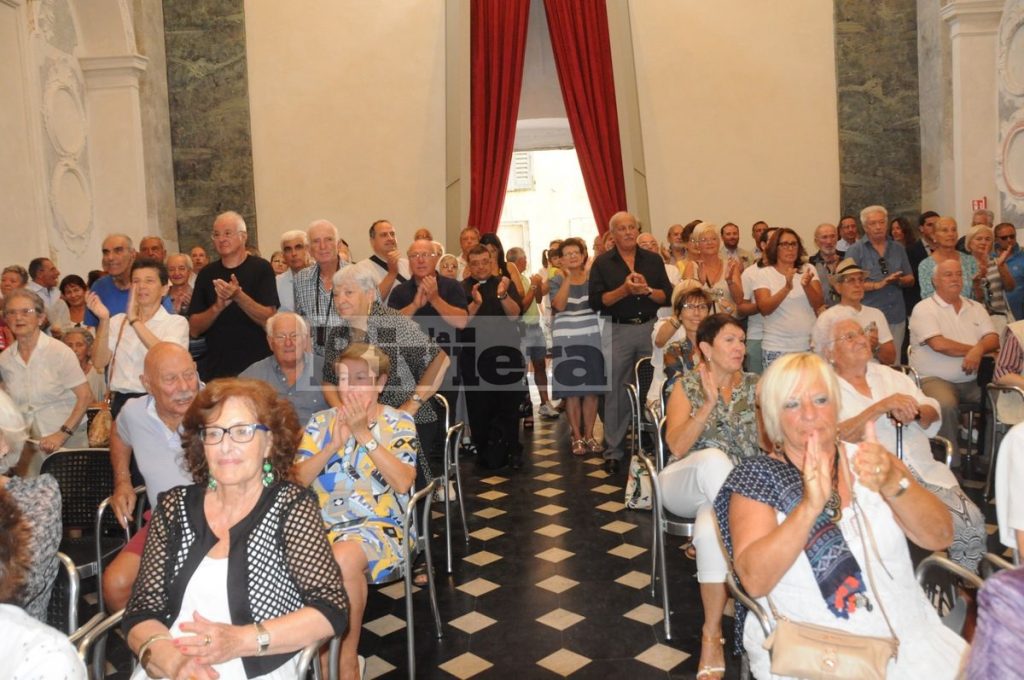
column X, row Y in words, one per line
column 643, row 375
column 997, row 427
column 453, row 434
column 664, row 523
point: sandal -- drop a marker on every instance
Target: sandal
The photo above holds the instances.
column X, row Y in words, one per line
column 528, row 422
column 708, row 671
column 594, row 446
column 419, row 575
column 579, row 447
column 690, row 550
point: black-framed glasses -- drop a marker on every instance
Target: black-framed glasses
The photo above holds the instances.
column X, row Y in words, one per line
column 240, row 434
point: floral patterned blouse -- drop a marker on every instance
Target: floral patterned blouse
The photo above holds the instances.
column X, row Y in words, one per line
column 731, row 427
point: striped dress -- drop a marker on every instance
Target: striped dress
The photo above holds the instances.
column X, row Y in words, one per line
column 578, row 368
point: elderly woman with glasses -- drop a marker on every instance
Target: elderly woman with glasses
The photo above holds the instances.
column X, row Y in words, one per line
column 884, row 396
column 237, row 575
column 43, row 376
column 821, row 526
column 788, row 295
column 360, row 459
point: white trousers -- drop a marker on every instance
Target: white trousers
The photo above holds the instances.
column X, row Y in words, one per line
column 689, row 487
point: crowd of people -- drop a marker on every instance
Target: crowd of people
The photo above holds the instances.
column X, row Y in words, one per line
column 281, row 413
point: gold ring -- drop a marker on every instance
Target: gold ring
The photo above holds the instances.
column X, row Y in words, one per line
column 878, row 469
column 207, row 642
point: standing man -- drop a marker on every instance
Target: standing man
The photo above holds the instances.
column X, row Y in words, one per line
column 1006, row 237
column 730, row 234
column 469, row 238
column 676, row 246
column 627, row 287
column 152, row 248
column 950, row 334
column 294, row 250
column 232, row 300
column 199, row 259
column 756, row 231
column 887, row 267
column 387, row 266
column 44, row 275
column 826, row 259
column 491, row 353
column 114, row 288
column 314, row 285
column 848, row 234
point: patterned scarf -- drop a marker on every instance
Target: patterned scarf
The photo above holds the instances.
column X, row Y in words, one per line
column 779, row 484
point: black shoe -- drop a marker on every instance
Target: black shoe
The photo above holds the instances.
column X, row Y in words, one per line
column 516, row 460
column 611, row 465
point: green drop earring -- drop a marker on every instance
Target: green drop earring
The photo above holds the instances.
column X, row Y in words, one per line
column 268, row 473
column 212, row 484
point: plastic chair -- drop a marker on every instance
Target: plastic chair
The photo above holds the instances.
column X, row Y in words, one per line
column 753, row 609
column 62, row 610
column 956, row 615
column 665, row 523
column 453, row 434
column 308, row 658
column 997, row 428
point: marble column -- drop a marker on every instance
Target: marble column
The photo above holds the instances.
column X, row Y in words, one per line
column 208, row 95
column 1010, row 68
column 973, row 26
column 879, row 127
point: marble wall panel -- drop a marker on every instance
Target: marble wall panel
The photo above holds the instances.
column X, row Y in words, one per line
column 879, row 125
column 209, row 111
column 1010, row 79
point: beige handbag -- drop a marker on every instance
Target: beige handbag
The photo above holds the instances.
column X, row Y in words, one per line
column 806, row 650
column 102, row 423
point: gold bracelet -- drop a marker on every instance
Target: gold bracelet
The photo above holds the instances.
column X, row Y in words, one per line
column 144, row 652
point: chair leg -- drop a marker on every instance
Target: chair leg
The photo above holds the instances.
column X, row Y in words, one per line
column 664, row 588
column 410, row 626
column 990, row 475
column 432, row 589
column 448, row 514
column 334, row 658
column 655, row 530
column 462, row 505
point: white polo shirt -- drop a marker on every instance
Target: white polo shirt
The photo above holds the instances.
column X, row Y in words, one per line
column 933, row 317
column 156, row 448
column 1009, row 482
column 43, row 387
column 131, row 355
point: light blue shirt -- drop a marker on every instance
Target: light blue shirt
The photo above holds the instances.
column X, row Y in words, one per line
column 286, row 291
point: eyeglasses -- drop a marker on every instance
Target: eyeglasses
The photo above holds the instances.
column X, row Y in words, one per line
column 1007, row 237
column 884, row 266
column 788, row 244
column 851, row 335
column 420, row 256
column 695, row 305
column 240, row 434
column 285, row 337
column 20, row 312
column 702, row 241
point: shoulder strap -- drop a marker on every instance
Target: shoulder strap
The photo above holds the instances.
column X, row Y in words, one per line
column 113, row 358
column 379, row 261
column 865, row 528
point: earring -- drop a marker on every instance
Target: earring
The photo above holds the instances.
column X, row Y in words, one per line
column 268, row 473
column 211, row 484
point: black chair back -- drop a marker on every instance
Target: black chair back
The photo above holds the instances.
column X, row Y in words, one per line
column 86, row 479
column 644, row 375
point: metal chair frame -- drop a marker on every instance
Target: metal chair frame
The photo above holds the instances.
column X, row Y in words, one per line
column 664, row 523
column 637, row 393
column 453, row 434
column 996, row 429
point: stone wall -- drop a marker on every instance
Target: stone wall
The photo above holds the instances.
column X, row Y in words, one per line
column 208, row 95
column 1010, row 79
column 879, row 127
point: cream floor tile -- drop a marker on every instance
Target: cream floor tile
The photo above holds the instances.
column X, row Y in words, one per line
column 478, row 587
column 555, row 555
column 618, row 527
column 560, row 619
column 486, row 533
column 646, row 613
column 563, row 662
column 635, row 579
column 473, row 621
column 385, row 625
column 550, row 509
column 557, row 584
column 482, row 558
column 552, row 530
column 489, row 513
column 627, row 551
column 466, row 665
column 662, row 657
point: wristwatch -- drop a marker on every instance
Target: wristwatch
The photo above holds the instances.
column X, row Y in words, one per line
column 67, row 430
column 417, row 398
column 904, row 484
column 262, row 639
column 371, row 446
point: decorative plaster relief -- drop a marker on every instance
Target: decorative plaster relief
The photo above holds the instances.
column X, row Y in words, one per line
column 1010, row 55
column 1010, row 163
column 64, row 112
column 71, row 201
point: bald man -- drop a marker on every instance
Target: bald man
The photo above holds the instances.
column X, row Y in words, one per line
column 148, row 427
column 949, row 335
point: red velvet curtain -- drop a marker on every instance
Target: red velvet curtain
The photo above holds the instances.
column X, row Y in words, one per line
column 583, row 57
column 497, row 47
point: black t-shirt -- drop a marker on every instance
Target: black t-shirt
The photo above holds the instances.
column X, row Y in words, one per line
column 429, row 319
column 234, row 341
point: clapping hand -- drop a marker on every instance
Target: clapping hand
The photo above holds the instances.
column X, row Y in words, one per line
column 226, row 290
column 637, row 284
column 708, row 381
column 807, row 276
column 96, row 306
column 477, row 297
column 428, row 286
column 354, row 413
column 393, row 257
column 817, row 475
column 1003, row 255
column 873, row 462
column 503, row 286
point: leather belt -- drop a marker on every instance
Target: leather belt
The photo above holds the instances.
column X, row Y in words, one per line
column 635, row 321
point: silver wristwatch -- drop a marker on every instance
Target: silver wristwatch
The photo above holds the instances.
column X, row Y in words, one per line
column 262, row 639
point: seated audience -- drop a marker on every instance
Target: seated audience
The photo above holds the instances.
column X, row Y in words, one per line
column 788, row 295
column 44, row 378
column 122, row 340
column 1006, row 239
column 237, row 574
column 292, row 369
column 38, row 501
column 448, row 266
column 72, row 291
column 312, row 287
column 30, row 648
column 674, row 339
column 576, row 345
column 711, row 427
column 148, row 430
column 199, row 259
column 944, row 251
column 794, row 521
column 849, row 233
column 153, row 248
column 1009, row 480
column 360, row 459
column 949, row 335
column 14, row 276
column 731, row 250
column 882, row 395
column 849, row 286
column 80, row 340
